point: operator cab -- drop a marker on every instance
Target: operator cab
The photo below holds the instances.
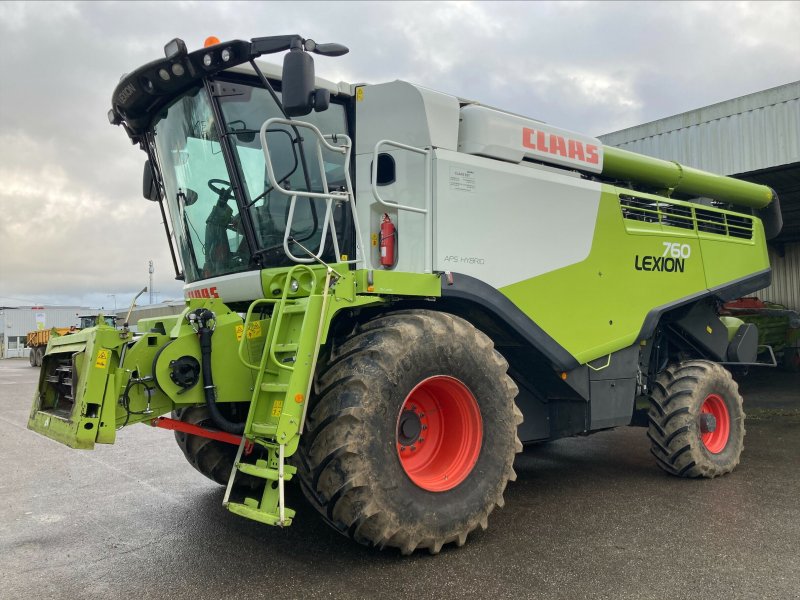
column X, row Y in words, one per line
column 87, row 321
column 199, row 118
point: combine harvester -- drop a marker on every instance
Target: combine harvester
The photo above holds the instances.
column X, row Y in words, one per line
column 390, row 290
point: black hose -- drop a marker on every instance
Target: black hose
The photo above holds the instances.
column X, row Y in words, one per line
column 205, row 332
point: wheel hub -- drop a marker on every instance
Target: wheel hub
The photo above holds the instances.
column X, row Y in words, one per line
column 715, row 423
column 439, row 433
column 409, row 428
column 708, row 424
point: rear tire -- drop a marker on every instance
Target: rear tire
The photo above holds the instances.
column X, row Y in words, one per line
column 32, row 357
column 352, row 465
column 790, row 361
column 696, row 420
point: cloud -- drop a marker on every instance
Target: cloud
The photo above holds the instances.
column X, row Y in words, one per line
column 75, row 227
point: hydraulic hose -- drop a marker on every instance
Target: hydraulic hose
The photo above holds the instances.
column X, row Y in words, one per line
column 203, row 317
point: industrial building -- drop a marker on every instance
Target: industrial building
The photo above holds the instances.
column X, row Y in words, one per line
column 754, row 137
column 17, row 321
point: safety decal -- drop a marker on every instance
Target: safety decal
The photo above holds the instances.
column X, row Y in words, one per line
column 277, row 407
column 102, row 359
column 253, row 331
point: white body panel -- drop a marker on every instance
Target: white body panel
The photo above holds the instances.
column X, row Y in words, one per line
column 504, row 223
column 405, row 113
column 512, row 138
column 233, row 288
column 498, row 222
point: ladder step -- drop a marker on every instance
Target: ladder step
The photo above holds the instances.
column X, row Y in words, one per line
column 294, row 309
column 250, row 510
column 285, row 347
column 274, row 387
column 264, row 429
column 262, row 470
column 257, row 471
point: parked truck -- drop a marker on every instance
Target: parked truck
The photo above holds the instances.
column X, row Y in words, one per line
column 37, row 340
column 389, row 290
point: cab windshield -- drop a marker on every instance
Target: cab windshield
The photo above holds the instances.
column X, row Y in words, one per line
column 208, row 221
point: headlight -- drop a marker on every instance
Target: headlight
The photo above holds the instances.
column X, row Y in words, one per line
column 174, row 48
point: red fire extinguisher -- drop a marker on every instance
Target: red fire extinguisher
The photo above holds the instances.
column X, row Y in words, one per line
column 388, row 243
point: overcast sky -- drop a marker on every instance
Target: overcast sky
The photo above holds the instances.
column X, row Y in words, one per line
column 74, row 228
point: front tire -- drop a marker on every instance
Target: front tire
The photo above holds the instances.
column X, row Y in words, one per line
column 212, row 458
column 412, row 438
column 696, row 420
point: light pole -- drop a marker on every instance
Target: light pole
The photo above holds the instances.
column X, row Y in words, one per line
column 114, row 296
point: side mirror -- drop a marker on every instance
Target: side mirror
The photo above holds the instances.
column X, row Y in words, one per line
column 149, row 187
column 297, row 85
column 322, row 100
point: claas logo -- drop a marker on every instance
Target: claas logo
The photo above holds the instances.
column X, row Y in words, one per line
column 203, row 293
column 558, row 145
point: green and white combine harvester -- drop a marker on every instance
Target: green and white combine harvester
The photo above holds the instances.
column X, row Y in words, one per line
column 390, row 290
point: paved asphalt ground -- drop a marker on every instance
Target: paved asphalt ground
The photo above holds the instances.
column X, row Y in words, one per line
column 588, row 518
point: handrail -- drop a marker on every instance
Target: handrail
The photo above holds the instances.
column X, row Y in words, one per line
column 283, row 300
column 274, row 323
column 428, row 224
column 375, row 193
column 345, row 148
column 246, row 326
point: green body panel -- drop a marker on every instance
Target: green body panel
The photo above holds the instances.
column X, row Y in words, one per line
column 732, row 324
column 599, row 305
column 730, row 259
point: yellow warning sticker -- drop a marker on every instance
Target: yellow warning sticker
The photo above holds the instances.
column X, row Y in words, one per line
column 102, row 359
column 374, row 239
column 277, row 407
column 253, row 331
column 359, row 94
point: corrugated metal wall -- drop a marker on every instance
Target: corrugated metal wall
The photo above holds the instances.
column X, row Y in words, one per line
column 21, row 320
column 737, row 136
column 785, row 288
column 16, row 322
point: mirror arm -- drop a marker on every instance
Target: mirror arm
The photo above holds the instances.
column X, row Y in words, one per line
column 269, row 87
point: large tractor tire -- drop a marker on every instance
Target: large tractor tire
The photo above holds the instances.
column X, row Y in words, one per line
column 696, row 420
column 211, row 458
column 32, row 357
column 790, row 361
column 412, row 437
